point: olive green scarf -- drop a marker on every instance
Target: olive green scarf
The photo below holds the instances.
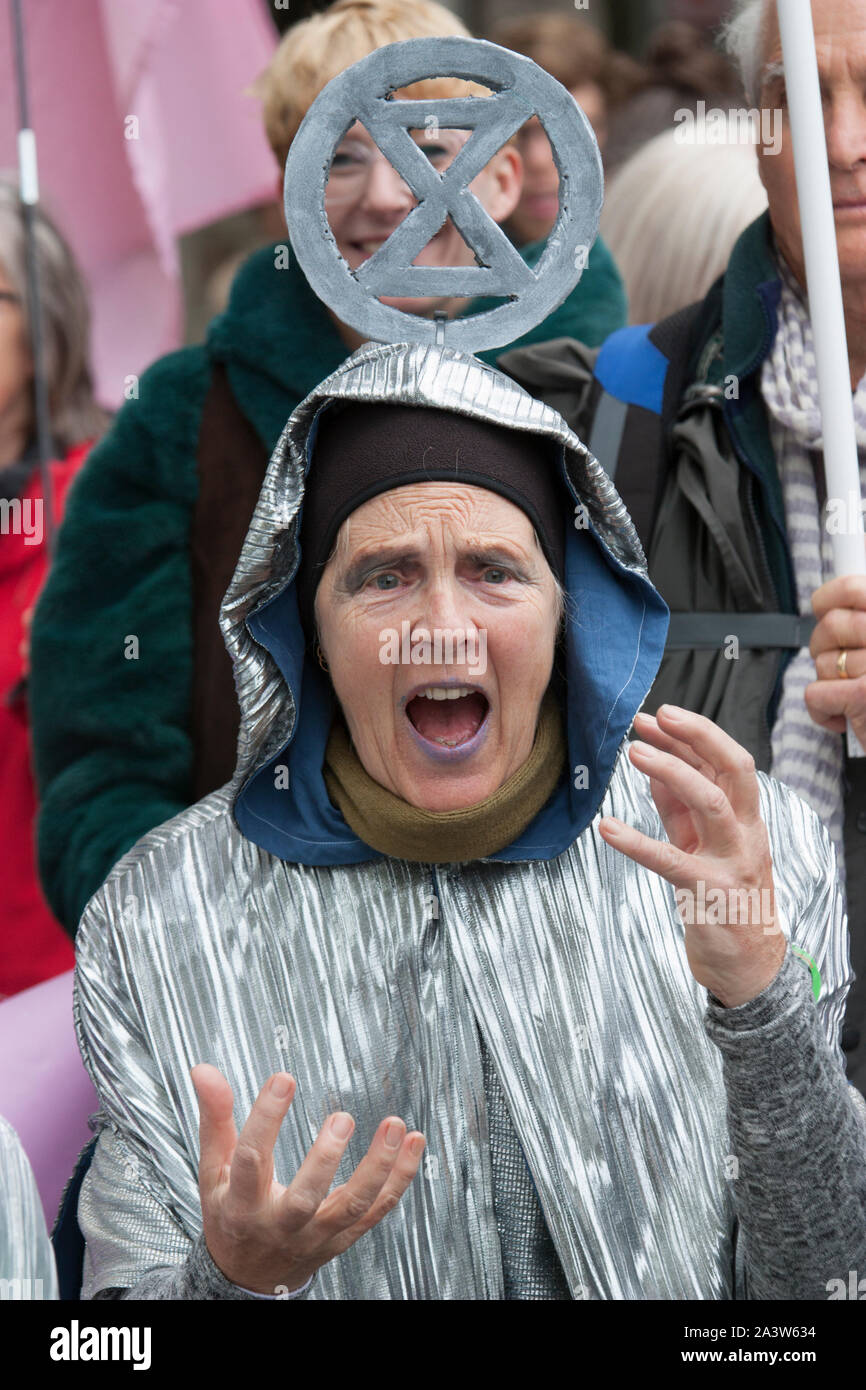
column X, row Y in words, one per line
column 392, row 826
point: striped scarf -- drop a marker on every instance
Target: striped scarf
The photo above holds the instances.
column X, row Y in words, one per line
column 809, row 759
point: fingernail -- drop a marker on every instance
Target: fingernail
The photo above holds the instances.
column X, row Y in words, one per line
column 671, row 712
column 281, row 1085
column 394, row 1135
column 342, row 1125
column 644, row 749
column 611, row 825
column 417, row 1146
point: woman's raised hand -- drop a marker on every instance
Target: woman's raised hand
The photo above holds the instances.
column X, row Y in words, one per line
column 706, row 791
column 265, row 1237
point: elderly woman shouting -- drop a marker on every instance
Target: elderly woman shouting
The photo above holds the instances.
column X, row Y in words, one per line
column 558, row 1014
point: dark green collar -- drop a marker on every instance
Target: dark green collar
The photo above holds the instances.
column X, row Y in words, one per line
column 750, row 299
column 276, row 324
column 278, row 342
column 276, row 339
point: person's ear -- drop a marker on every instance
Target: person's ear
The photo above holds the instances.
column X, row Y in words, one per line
column 504, row 183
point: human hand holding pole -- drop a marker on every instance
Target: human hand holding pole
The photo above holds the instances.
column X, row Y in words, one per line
column 837, row 699
column 826, row 309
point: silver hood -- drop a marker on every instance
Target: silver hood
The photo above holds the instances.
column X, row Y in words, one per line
column 286, row 705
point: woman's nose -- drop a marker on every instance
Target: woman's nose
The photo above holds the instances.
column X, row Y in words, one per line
column 445, row 607
column 385, row 191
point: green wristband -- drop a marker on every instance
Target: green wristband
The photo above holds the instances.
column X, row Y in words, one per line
column 815, row 972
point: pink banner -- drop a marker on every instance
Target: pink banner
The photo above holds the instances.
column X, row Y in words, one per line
column 144, row 132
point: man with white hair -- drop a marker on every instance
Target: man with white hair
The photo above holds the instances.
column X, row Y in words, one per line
column 710, row 424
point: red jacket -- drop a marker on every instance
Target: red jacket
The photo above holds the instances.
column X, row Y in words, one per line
column 33, row 946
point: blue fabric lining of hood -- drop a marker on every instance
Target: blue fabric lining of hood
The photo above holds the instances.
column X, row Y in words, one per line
column 614, row 640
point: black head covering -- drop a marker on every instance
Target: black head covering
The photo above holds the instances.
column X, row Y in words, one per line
column 363, row 449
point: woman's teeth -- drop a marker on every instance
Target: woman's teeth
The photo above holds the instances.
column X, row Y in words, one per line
column 438, row 692
column 449, row 715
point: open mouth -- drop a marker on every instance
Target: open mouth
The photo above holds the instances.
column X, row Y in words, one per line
column 448, row 716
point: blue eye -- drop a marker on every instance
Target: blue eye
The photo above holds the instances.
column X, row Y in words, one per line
column 496, row 570
column 380, row 577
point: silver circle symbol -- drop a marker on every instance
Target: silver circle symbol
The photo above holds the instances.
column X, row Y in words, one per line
column 520, row 90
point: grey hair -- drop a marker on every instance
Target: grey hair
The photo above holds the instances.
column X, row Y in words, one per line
column 561, row 602
column 743, row 40
column 75, row 414
column 671, row 216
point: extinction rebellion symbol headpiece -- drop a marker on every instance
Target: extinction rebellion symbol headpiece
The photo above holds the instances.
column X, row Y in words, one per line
column 520, row 90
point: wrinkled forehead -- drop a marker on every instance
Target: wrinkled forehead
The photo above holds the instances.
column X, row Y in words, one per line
column 431, row 512
column 840, row 38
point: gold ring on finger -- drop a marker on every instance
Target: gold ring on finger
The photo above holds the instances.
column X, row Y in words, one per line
column 842, row 665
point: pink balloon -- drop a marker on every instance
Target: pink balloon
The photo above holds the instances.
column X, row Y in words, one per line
column 45, row 1092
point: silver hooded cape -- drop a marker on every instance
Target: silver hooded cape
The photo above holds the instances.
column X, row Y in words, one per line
column 370, row 981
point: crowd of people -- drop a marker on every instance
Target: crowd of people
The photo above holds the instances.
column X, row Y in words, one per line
column 447, row 917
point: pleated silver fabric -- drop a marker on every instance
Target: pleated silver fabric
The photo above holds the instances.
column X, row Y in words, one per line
column 27, row 1269
column 557, row 993
column 370, row 983
column 530, row 1267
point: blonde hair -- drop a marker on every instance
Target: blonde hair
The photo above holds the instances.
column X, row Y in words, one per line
column 317, row 49
column 672, row 216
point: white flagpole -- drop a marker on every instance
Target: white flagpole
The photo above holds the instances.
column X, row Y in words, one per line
column 841, row 464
